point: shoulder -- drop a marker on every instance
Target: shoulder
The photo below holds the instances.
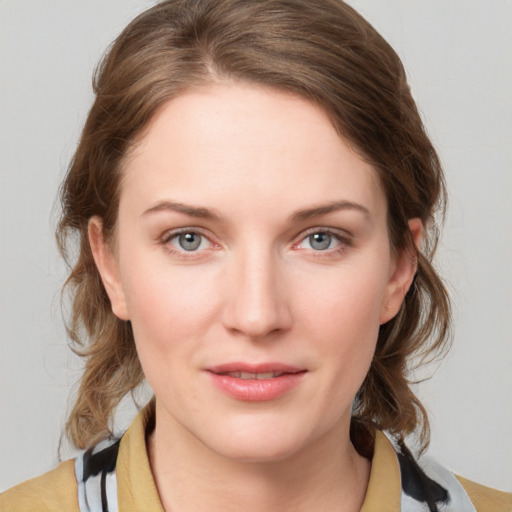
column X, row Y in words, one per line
column 54, row 491
column 486, row 499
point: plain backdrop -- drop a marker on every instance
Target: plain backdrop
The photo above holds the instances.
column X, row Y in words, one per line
column 458, row 54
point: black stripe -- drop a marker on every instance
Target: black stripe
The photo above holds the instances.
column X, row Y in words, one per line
column 104, row 503
column 417, row 484
column 105, row 460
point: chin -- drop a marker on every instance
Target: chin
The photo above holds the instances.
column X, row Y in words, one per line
column 258, row 442
column 258, row 451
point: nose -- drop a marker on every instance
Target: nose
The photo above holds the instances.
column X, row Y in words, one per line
column 256, row 301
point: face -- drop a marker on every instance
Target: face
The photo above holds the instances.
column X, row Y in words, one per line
column 252, row 258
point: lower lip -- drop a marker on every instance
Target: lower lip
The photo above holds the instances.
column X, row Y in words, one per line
column 256, row 390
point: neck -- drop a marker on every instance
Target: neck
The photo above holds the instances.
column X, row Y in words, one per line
column 328, row 475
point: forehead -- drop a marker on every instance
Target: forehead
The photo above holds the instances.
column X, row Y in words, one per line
column 256, row 143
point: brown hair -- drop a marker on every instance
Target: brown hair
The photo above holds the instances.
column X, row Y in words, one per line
column 321, row 50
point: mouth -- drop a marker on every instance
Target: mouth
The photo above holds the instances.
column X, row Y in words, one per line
column 253, row 376
column 256, row 383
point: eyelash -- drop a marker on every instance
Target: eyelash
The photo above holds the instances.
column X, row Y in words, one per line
column 344, row 242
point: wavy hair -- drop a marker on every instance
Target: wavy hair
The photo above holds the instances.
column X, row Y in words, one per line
column 321, row 50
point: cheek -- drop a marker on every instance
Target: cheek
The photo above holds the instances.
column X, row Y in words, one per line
column 345, row 300
column 343, row 316
column 352, row 326
column 170, row 307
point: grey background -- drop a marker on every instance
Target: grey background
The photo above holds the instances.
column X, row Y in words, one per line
column 458, row 54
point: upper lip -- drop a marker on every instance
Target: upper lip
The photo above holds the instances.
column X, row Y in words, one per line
column 254, row 368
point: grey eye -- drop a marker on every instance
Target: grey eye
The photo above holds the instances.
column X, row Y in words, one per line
column 320, row 241
column 189, row 241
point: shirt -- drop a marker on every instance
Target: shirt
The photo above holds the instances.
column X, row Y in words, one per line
column 56, row 490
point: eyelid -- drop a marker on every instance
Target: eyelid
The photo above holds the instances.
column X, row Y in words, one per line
column 340, row 234
column 171, row 233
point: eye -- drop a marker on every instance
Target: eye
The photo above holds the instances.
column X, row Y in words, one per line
column 320, row 241
column 188, row 241
column 325, row 243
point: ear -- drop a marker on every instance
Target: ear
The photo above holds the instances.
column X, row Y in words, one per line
column 108, row 267
column 406, row 265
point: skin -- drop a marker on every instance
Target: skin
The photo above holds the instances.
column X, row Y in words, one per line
column 257, row 289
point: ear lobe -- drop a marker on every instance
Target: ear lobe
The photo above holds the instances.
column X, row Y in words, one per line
column 108, row 268
column 406, row 265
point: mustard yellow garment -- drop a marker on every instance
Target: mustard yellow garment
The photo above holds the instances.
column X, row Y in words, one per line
column 56, row 491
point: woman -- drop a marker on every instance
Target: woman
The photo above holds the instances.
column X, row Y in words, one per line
column 254, row 196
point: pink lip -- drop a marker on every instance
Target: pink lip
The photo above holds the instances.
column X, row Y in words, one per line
column 255, row 390
column 239, row 366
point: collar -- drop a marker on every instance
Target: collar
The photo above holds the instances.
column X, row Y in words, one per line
column 137, row 489
column 384, row 487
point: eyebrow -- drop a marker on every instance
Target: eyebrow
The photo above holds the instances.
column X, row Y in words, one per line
column 297, row 216
column 317, row 211
column 191, row 211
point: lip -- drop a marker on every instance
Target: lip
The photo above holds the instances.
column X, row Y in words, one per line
column 240, row 366
column 255, row 390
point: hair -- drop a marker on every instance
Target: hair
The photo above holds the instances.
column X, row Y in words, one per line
column 323, row 51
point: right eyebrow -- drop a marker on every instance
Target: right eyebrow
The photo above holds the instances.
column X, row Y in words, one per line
column 186, row 209
column 325, row 209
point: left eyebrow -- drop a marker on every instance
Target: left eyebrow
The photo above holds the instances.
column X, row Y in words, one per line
column 191, row 211
column 316, row 211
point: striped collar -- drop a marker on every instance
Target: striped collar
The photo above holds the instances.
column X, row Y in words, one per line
column 117, row 476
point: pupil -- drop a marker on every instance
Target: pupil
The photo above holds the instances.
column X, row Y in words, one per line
column 190, row 241
column 320, row 241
